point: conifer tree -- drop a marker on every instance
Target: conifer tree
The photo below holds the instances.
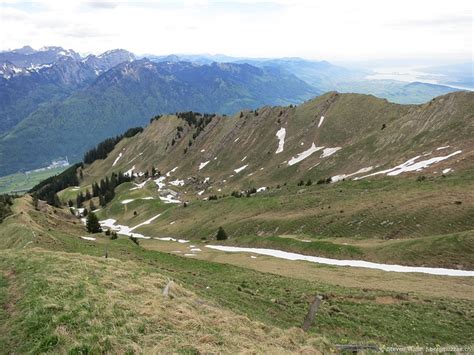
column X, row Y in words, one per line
column 92, row 223
column 79, row 200
column 221, row 234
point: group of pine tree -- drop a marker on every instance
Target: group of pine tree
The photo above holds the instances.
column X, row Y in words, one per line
column 104, row 190
column 106, row 146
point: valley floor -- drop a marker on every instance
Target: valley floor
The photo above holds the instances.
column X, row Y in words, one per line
column 22, row 182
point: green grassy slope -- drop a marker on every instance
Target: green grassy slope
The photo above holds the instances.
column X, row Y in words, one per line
column 71, row 303
column 59, row 295
column 359, row 219
column 363, row 219
column 352, row 122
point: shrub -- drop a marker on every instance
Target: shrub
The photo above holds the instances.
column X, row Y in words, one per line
column 324, row 181
column 236, row 194
column 221, row 234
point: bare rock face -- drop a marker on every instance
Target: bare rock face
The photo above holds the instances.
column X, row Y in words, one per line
column 108, row 60
column 28, row 57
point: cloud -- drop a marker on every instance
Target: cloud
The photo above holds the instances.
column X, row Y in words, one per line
column 459, row 20
column 101, row 4
column 86, row 32
column 340, row 30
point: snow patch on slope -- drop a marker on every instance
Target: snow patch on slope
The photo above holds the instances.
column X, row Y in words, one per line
column 327, row 152
column 354, row 263
column 337, row 178
column 88, row 238
column 171, row 171
column 320, row 121
column 169, row 199
column 177, row 182
column 281, row 134
column 124, row 202
column 148, row 221
column 140, row 185
column 129, row 173
column 411, row 165
column 238, row 170
column 159, row 182
column 202, row 165
column 303, row 155
column 126, row 230
column 117, row 159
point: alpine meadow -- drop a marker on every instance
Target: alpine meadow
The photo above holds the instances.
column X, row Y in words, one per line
column 227, row 177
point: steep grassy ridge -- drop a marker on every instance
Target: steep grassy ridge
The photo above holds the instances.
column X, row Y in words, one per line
column 370, row 132
column 358, row 219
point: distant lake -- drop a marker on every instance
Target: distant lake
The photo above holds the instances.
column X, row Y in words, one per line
column 409, row 74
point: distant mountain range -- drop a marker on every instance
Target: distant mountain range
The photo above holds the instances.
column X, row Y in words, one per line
column 63, row 103
column 65, row 107
column 30, row 78
column 326, row 76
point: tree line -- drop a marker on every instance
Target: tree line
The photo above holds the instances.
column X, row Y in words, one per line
column 104, row 190
column 47, row 189
column 6, row 202
column 107, row 145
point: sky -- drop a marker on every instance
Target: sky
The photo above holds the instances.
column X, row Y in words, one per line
column 335, row 30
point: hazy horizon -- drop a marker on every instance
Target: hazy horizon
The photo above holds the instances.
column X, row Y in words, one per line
column 342, row 32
